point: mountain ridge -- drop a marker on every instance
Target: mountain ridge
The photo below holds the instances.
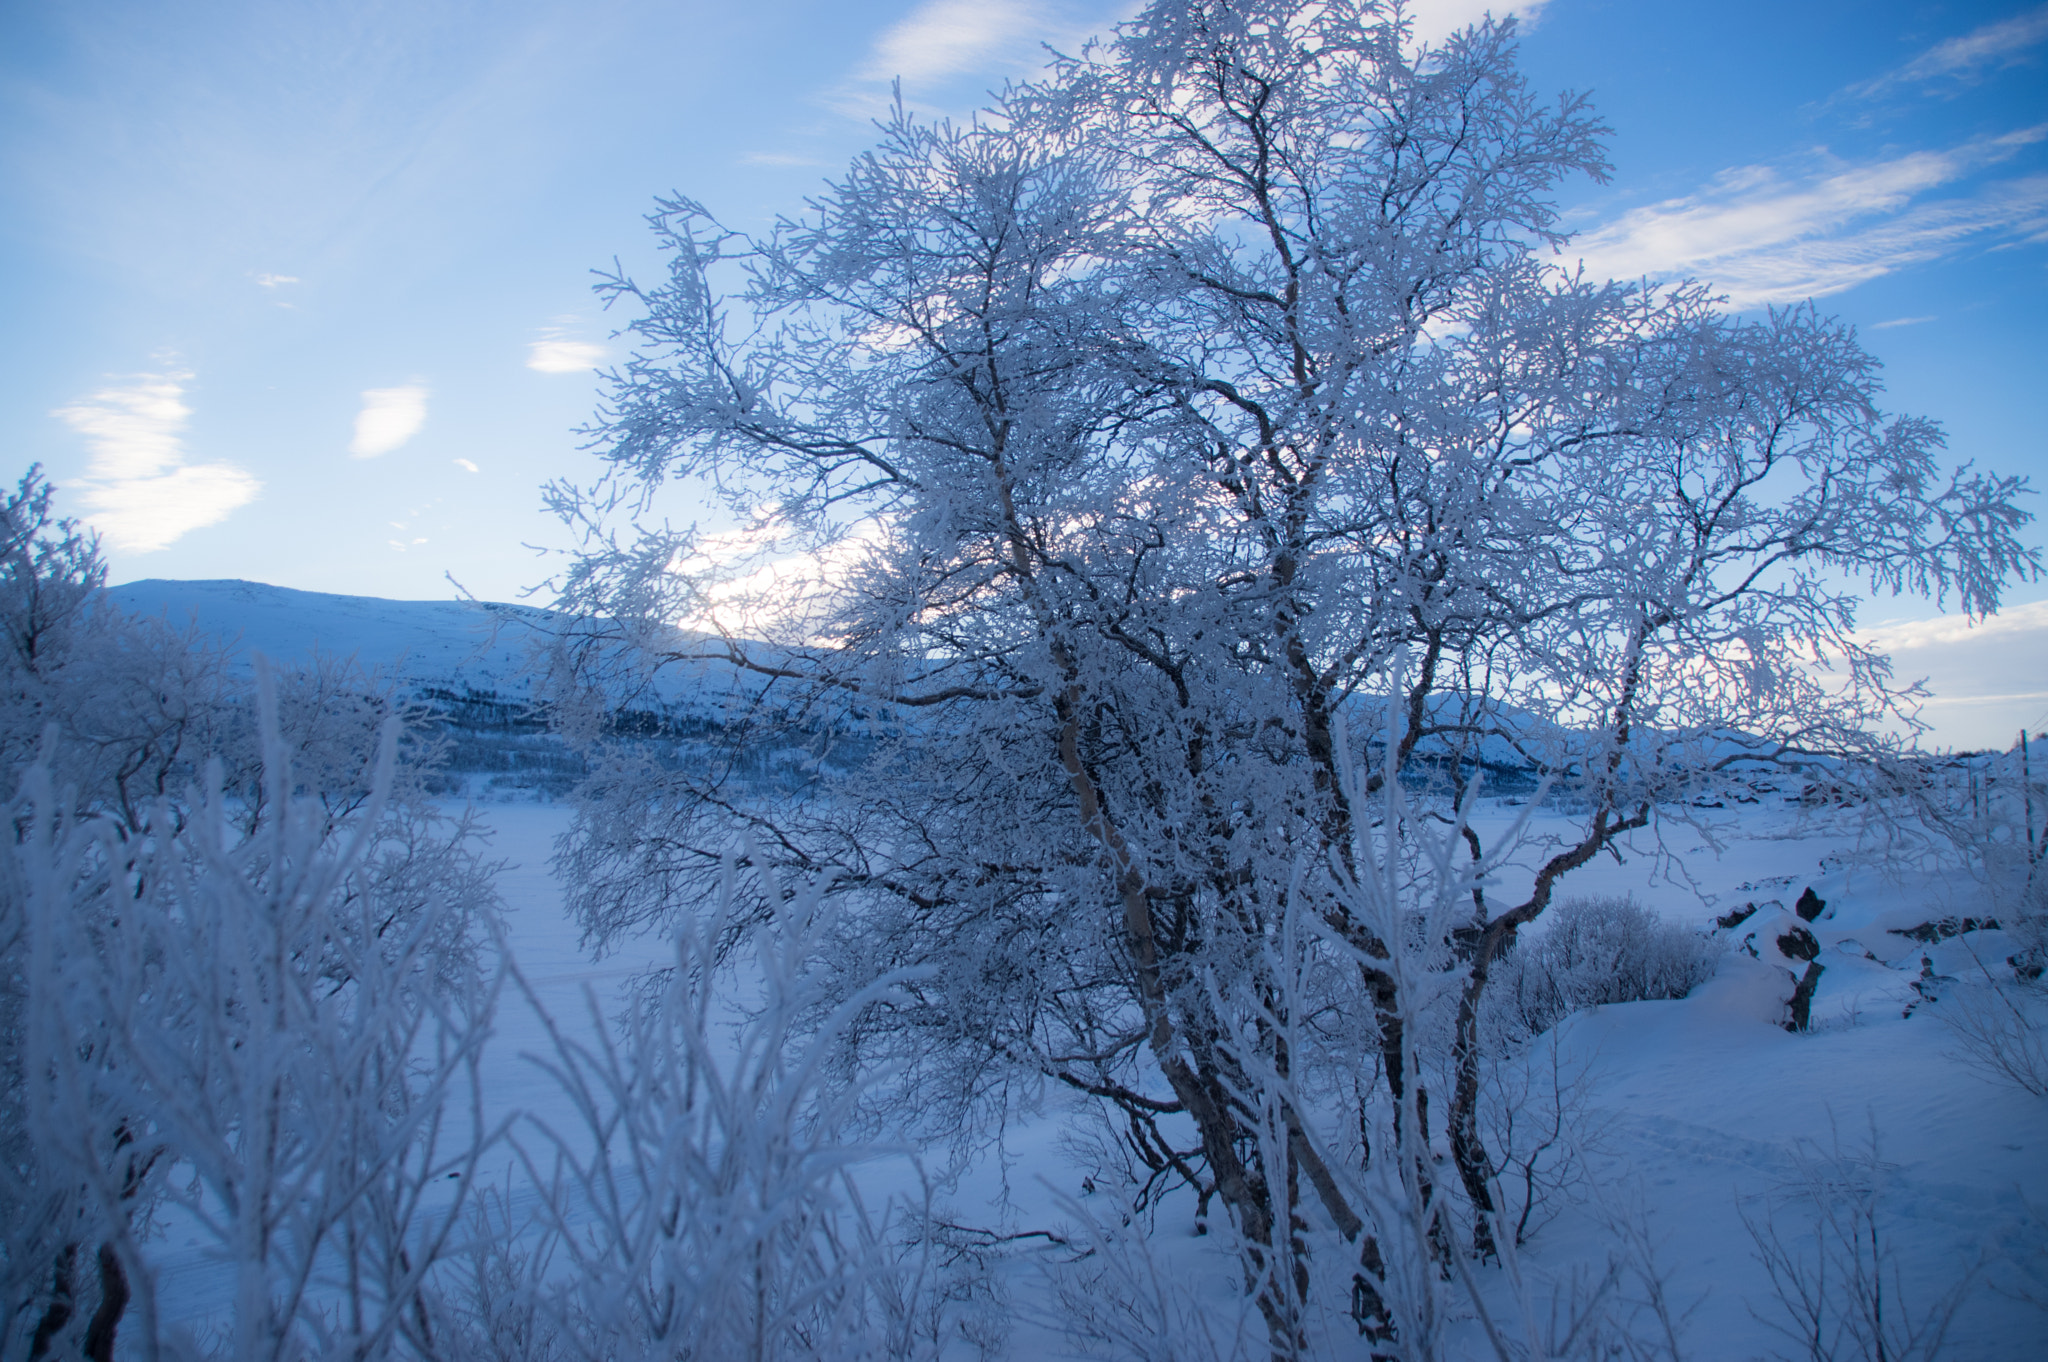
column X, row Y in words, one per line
column 479, row 645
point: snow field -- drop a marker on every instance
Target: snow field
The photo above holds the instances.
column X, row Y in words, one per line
column 1695, row 1114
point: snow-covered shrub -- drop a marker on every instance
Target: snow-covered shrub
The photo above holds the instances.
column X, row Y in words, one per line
column 697, row 1197
column 1120, row 1297
column 2000, row 1030
column 267, row 1029
column 167, row 811
column 1540, row 1126
column 139, row 705
column 1594, row 951
column 135, row 703
column 2006, row 836
column 1994, row 813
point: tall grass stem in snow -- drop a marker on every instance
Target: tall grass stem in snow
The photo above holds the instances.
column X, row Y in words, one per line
column 266, row 1032
column 699, row 1194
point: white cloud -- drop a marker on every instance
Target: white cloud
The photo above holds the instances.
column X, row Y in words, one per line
column 271, row 281
column 780, row 158
column 466, row 465
column 1949, row 630
column 1764, row 237
column 947, row 37
column 1436, row 20
column 991, row 39
column 153, row 513
column 1985, row 676
column 1967, row 57
column 1899, row 321
column 556, row 356
column 133, row 430
column 138, row 491
column 986, row 40
column 390, row 417
column 2021, row 697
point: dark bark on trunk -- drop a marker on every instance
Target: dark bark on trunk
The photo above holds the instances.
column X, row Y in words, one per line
column 1198, row 1092
column 99, row 1333
column 1802, row 997
column 58, row 1313
column 1468, row 1151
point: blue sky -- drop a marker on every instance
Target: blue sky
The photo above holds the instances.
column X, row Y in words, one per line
column 299, row 292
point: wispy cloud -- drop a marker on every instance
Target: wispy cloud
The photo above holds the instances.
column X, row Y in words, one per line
column 1436, row 20
column 783, row 159
column 555, row 355
column 138, row 491
column 987, row 41
column 466, row 466
column 1967, row 58
column 1945, row 631
column 1765, row 236
column 1985, row 675
column 390, row 417
column 271, row 281
column 1899, row 321
column 943, row 38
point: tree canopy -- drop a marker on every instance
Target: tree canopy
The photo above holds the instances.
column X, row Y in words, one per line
column 1110, row 464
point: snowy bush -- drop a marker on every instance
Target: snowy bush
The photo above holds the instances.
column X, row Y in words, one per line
column 696, row 1194
column 1993, row 812
column 134, row 703
column 139, row 705
column 1989, row 812
column 1841, row 1292
column 265, row 1029
column 2000, row 1030
column 2001, row 829
column 1594, row 951
column 226, row 908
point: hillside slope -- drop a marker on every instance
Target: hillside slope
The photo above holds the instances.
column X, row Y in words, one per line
column 455, row 644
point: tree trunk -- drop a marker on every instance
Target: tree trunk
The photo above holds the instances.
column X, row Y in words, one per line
column 99, row 1333
column 58, row 1313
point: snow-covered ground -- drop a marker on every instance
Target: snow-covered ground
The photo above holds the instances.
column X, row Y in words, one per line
column 1697, row 1112
column 1706, row 1108
column 1700, row 1117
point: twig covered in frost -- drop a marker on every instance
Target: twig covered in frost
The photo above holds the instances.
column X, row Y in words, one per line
column 1840, row 1289
column 1123, row 1301
column 1999, row 1031
column 252, row 1028
column 698, row 1195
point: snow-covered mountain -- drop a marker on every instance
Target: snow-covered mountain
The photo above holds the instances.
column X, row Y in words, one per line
column 465, row 664
column 453, row 644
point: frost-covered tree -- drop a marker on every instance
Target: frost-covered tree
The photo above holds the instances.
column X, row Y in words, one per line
column 130, row 700
column 1094, row 459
